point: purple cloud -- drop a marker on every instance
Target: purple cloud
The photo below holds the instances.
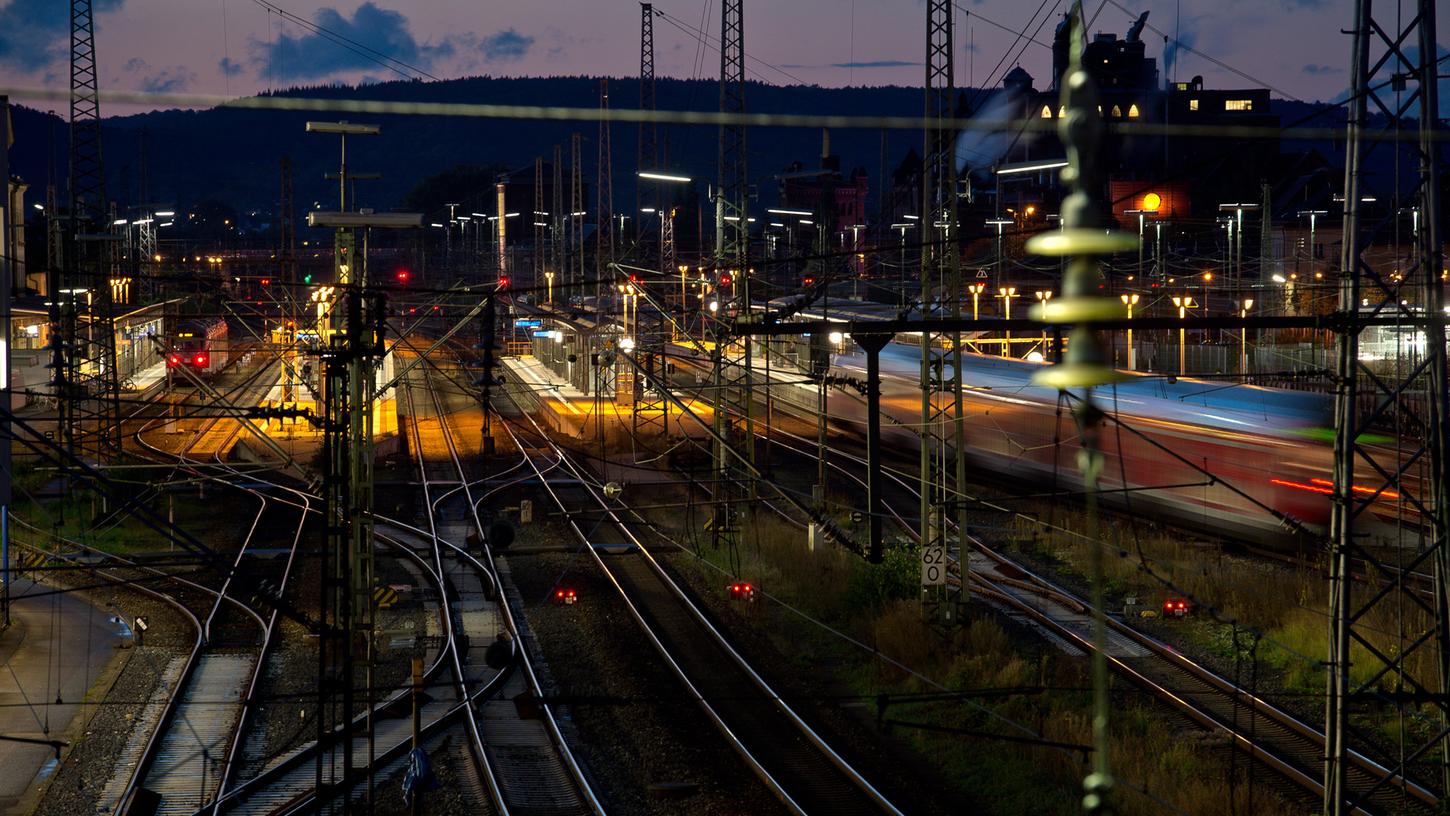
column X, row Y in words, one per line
column 372, row 37
column 505, row 45
column 35, row 33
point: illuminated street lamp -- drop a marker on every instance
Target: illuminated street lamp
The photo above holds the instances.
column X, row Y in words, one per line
column 999, row 223
column 976, row 289
column 1248, row 303
column 1141, row 214
column 1313, row 219
column 1043, row 295
column 901, row 229
column 1006, row 293
column 1236, row 237
column 1130, row 300
column 549, row 279
column 645, row 174
column 1183, row 303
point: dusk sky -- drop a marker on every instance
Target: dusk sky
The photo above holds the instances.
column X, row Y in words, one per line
column 239, row 47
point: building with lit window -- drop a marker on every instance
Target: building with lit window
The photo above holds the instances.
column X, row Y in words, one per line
column 1195, row 169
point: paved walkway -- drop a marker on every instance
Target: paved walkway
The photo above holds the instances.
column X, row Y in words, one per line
column 55, row 648
column 149, row 376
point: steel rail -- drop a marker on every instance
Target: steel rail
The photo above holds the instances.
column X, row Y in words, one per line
column 555, row 734
column 476, row 746
column 777, row 786
column 1042, row 586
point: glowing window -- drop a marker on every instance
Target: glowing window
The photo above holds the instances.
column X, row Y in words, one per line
column 1117, row 112
column 1193, row 104
column 1133, row 112
column 1046, row 112
column 1061, row 111
column 1238, row 104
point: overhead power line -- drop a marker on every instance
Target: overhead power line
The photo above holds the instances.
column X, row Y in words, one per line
column 370, row 54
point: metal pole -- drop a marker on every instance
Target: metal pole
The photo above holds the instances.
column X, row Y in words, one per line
column 1431, row 261
column 417, row 726
column 7, row 283
column 1346, row 417
column 872, row 345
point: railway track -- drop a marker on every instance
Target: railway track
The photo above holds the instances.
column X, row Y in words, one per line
column 1266, row 733
column 526, row 762
column 794, row 762
column 199, row 752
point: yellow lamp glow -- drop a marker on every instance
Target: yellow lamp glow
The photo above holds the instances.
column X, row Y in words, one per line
column 1152, row 201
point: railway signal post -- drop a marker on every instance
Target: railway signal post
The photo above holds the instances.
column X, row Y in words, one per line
column 353, row 347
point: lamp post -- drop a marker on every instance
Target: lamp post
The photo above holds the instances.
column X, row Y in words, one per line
column 1313, row 219
column 549, row 279
column 1130, row 300
column 1248, row 303
column 1236, row 237
column 901, row 288
column 1141, row 213
column 1043, row 295
column 976, row 289
column 1184, row 303
column 1006, row 293
column 999, row 223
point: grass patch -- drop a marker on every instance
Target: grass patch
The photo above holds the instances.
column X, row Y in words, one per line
column 1004, row 684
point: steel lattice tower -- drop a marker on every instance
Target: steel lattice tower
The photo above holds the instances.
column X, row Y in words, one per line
column 732, row 377
column 645, row 196
column 604, row 198
column 651, row 405
column 943, row 468
column 557, row 219
column 287, row 261
column 576, row 217
column 83, row 337
column 539, row 222
column 1410, row 679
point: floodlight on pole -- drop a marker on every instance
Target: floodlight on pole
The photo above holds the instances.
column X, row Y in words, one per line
column 1029, row 167
column 344, row 128
column 645, row 174
column 352, row 220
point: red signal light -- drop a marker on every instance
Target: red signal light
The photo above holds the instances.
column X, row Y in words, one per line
column 403, row 276
column 173, row 361
column 725, row 279
column 742, row 590
column 201, row 360
column 503, row 282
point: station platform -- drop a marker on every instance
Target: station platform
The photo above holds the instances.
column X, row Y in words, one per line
column 147, row 378
column 568, row 410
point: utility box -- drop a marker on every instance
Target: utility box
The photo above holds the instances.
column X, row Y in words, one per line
column 815, row 536
column 526, row 511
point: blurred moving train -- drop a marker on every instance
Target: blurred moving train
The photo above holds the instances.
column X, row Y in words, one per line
column 198, row 344
column 1237, row 460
